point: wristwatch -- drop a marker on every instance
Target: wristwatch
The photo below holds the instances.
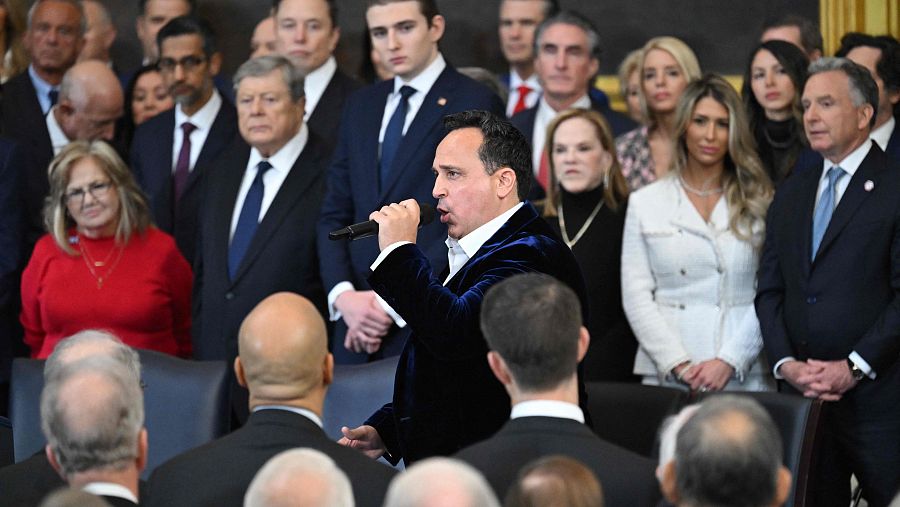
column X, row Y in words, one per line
column 855, row 371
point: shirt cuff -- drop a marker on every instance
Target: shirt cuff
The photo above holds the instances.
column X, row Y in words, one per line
column 390, row 311
column 775, row 368
column 340, row 288
column 862, row 365
column 387, row 251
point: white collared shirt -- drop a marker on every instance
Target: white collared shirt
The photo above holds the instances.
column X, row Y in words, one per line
column 544, row 116
column 882, row 135
column 515, row 81
column 282, row 162
column 203, row 120
column 109, row 489
column 422, row 83
column 42, row 89
column 473, row 241
column 314, row 85
column 547, row 408
column 309, row 414
column 58, row 138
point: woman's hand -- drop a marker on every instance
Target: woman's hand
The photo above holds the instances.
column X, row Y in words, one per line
column 710, row 375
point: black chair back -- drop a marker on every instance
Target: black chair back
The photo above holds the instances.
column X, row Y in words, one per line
column 357, row 392
column 7, row 456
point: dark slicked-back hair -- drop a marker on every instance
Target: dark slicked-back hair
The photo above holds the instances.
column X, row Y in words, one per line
column 428, row 8
column 503, row 145
column 810, row 36
column 188, row 25
column 533, row 321
column 332, row 10
column 142, row 5
column 888, row 66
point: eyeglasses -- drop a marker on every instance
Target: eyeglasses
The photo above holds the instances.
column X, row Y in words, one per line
column 97, row 189
column 188, row 63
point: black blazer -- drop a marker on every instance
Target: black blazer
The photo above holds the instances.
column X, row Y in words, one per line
column 21, row 116
column 218, row 473
column 627, row 478
column 893, row 146
column 325, row 119
column 26, row 483
column 281, row 256
column 151, row 161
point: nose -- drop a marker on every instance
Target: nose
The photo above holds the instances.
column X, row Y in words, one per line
column 300, row 33
column 438, row 191
column 710, row 133
column 811, row 114
column 178, row 72
column 256, row 106
column 515, row 31
column 770, row 78
column 392, row 41
column 560, row 60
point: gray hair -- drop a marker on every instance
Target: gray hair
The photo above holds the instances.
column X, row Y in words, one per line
column 100, row 429
column 567, row 17
column 75, row 3
column 728, row 453
column 96, row 339
column 263, row 65
column 863, row 89
column 440, row 478
column 287, row 480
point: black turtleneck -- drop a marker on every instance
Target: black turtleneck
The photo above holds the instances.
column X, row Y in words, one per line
column 779, row 144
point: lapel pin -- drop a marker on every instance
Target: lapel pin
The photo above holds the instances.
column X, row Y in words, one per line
column 442, row 101
column 868, row 185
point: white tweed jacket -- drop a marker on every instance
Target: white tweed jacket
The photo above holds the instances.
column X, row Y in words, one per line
column 688, row 286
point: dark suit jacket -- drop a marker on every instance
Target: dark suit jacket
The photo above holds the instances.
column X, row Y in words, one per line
column 893, row 146
column 218, row 474
column 151, row 162
column 27, row 482
column 11, row 258
column 281, row 256
column 326, row 117
column 847, row 299
column 353, row 179
column 524, row 121
column 445, row 396
column 21, row 116
column 627, row 478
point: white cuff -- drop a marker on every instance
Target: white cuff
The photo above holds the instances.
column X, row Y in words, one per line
column 340, row 288
column 775, row 373
column 387, row 251
column 863, row 365
column 390, row 311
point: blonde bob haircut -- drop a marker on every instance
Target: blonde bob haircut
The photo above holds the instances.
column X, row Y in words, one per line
column 134, row 213
column 683, row 55
column 615, row 188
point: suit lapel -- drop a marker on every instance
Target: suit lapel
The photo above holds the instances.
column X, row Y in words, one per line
column 368, row 140
column 220, row 134
column 808, row 190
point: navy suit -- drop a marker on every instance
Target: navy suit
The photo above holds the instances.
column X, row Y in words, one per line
column 627, row 478
column 325, row 118
column 11, row 261
column 445, row 396
column 847, row 299
column 353, row 181
column 151, row 160
column 21, row 116
column 893, row 146
column 524, row 121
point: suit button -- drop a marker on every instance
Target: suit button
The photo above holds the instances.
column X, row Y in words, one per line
column 683, row 271
column 811, row 300
column 229, row 296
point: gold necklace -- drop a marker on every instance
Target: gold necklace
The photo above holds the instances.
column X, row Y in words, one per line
column 91, row 263
column 587, row 223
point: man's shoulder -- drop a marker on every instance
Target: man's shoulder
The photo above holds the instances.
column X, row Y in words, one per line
column 150, row 130
column 18, row 84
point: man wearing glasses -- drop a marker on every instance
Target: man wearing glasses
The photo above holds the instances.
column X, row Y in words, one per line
column 170, row 150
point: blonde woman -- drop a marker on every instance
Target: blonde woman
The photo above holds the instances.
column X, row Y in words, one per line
column 691, row 249
column 103, row 265
column 667, row 66
column 630, row 85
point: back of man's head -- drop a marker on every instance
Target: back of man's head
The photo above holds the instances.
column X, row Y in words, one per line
column 92, row 414
column 729, row 454
column 90, row 101
column 437, row 482
column 283, row 352
column 533, row 322
column 300, row 478
column 92, row 343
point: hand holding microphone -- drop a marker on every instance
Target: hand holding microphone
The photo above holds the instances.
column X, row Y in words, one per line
column 401, row 220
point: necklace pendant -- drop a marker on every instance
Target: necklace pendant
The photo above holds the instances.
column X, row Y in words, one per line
column 99, row 264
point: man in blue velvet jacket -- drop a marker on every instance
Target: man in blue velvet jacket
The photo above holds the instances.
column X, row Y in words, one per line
column 445, row 397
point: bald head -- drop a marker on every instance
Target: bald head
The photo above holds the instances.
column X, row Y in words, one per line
column 90, row 102
column 282, row 350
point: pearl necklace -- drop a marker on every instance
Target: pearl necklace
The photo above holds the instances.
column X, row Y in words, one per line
column 587, row 223
column 698, row 192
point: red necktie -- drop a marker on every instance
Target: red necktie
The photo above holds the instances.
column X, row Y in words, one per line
column 543, row 175
column 524, row 90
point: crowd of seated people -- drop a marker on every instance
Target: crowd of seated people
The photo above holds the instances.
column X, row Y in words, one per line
column 704, row 238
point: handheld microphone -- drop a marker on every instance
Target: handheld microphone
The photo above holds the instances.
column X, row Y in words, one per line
column 370, row 227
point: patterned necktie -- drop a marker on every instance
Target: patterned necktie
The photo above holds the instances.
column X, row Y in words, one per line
column 248, row 220
column 825, row 208
column 393, row 134
column 54, row 97
column 183, row 165
column 524, row 90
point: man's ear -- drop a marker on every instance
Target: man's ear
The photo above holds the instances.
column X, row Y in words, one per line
column 506, row 181
column 328, row 370
column 239, row 372
column 51, row 457
column 584, row 341
column 782, row 486
column 498, row 367
column 215, row 63
column 143, row 447
column 667, row 485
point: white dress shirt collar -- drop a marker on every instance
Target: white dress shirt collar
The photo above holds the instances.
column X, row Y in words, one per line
column 850, row 163
column 204, row 117
column 425, row 80
column 284, row 158
column 309, row 414
column 515, row 80
column 882, row 135
column 473, row 241
column 547, row 408
column 41, row 88
column 58, row 138
column 109, row 489
column 314, row 85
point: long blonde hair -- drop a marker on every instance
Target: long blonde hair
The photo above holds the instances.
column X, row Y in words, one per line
column 134, row 213
column 683, row 55
column 615, row 190
column 747, row 188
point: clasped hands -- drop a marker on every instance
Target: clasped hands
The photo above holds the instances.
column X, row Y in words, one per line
column 826, row 380
column 710, row 375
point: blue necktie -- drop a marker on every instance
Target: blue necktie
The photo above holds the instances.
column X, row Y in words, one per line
column 393, row 135
column 248, row 220
column 825, row 208
column 53, row 95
